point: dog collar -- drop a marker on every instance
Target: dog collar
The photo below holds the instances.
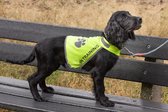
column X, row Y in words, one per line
column 109, row 47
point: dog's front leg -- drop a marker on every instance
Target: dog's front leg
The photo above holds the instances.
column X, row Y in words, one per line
column 99, row 89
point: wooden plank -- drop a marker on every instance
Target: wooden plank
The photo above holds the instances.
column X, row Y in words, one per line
column 35, row 32
column 22, row 104
column 62, row 104
column 144, row 44
column 84, row 105
column 132, row 70
column 14, row 51
column 83, row 94
column 19, row 90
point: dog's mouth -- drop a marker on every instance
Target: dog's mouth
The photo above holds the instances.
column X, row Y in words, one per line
column 135, row 27
column 138, row 24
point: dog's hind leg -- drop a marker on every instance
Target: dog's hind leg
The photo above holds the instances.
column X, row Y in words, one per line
column 42, row 83
column 45, row 88
column 33, row 86
column 39, row 78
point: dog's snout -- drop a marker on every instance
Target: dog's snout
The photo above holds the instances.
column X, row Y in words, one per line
column 139, row 20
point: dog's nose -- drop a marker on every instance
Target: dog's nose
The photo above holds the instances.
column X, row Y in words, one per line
column 140, row 20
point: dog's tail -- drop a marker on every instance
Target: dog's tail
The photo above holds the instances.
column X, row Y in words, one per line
column 29, row 59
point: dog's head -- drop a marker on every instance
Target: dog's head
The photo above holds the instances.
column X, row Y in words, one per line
column 121, row 27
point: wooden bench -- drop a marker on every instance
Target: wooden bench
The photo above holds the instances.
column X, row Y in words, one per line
column 15, row 94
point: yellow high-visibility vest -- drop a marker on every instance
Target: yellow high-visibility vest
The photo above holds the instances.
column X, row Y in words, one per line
column 79, row 50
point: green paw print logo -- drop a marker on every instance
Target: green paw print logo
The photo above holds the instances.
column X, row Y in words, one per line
column 80, row 42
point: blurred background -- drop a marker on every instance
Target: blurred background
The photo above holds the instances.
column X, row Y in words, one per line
column 91, row 14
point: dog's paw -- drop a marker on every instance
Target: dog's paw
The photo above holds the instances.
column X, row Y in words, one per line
column 40, row 99
column 104, row 101
column 48, row 90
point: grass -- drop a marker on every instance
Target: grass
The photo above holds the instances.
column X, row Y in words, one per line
column 92, row 14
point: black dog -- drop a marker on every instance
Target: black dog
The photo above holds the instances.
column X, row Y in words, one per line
column 50, row 55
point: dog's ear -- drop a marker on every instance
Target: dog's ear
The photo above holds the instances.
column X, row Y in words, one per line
column 114, row 34
column 111, row 29
column 131, row 35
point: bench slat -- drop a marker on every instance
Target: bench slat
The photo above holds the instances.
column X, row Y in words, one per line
column 35, row 32
column 66, row 102
column 144, row 44
column 132, row 70
column 19, row 89
column 28, row 105
column 84, row 94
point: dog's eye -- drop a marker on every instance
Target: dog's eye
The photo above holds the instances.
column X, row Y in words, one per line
column 124, row 16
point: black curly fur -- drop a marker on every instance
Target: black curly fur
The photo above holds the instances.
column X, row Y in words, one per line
column 50, row 55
